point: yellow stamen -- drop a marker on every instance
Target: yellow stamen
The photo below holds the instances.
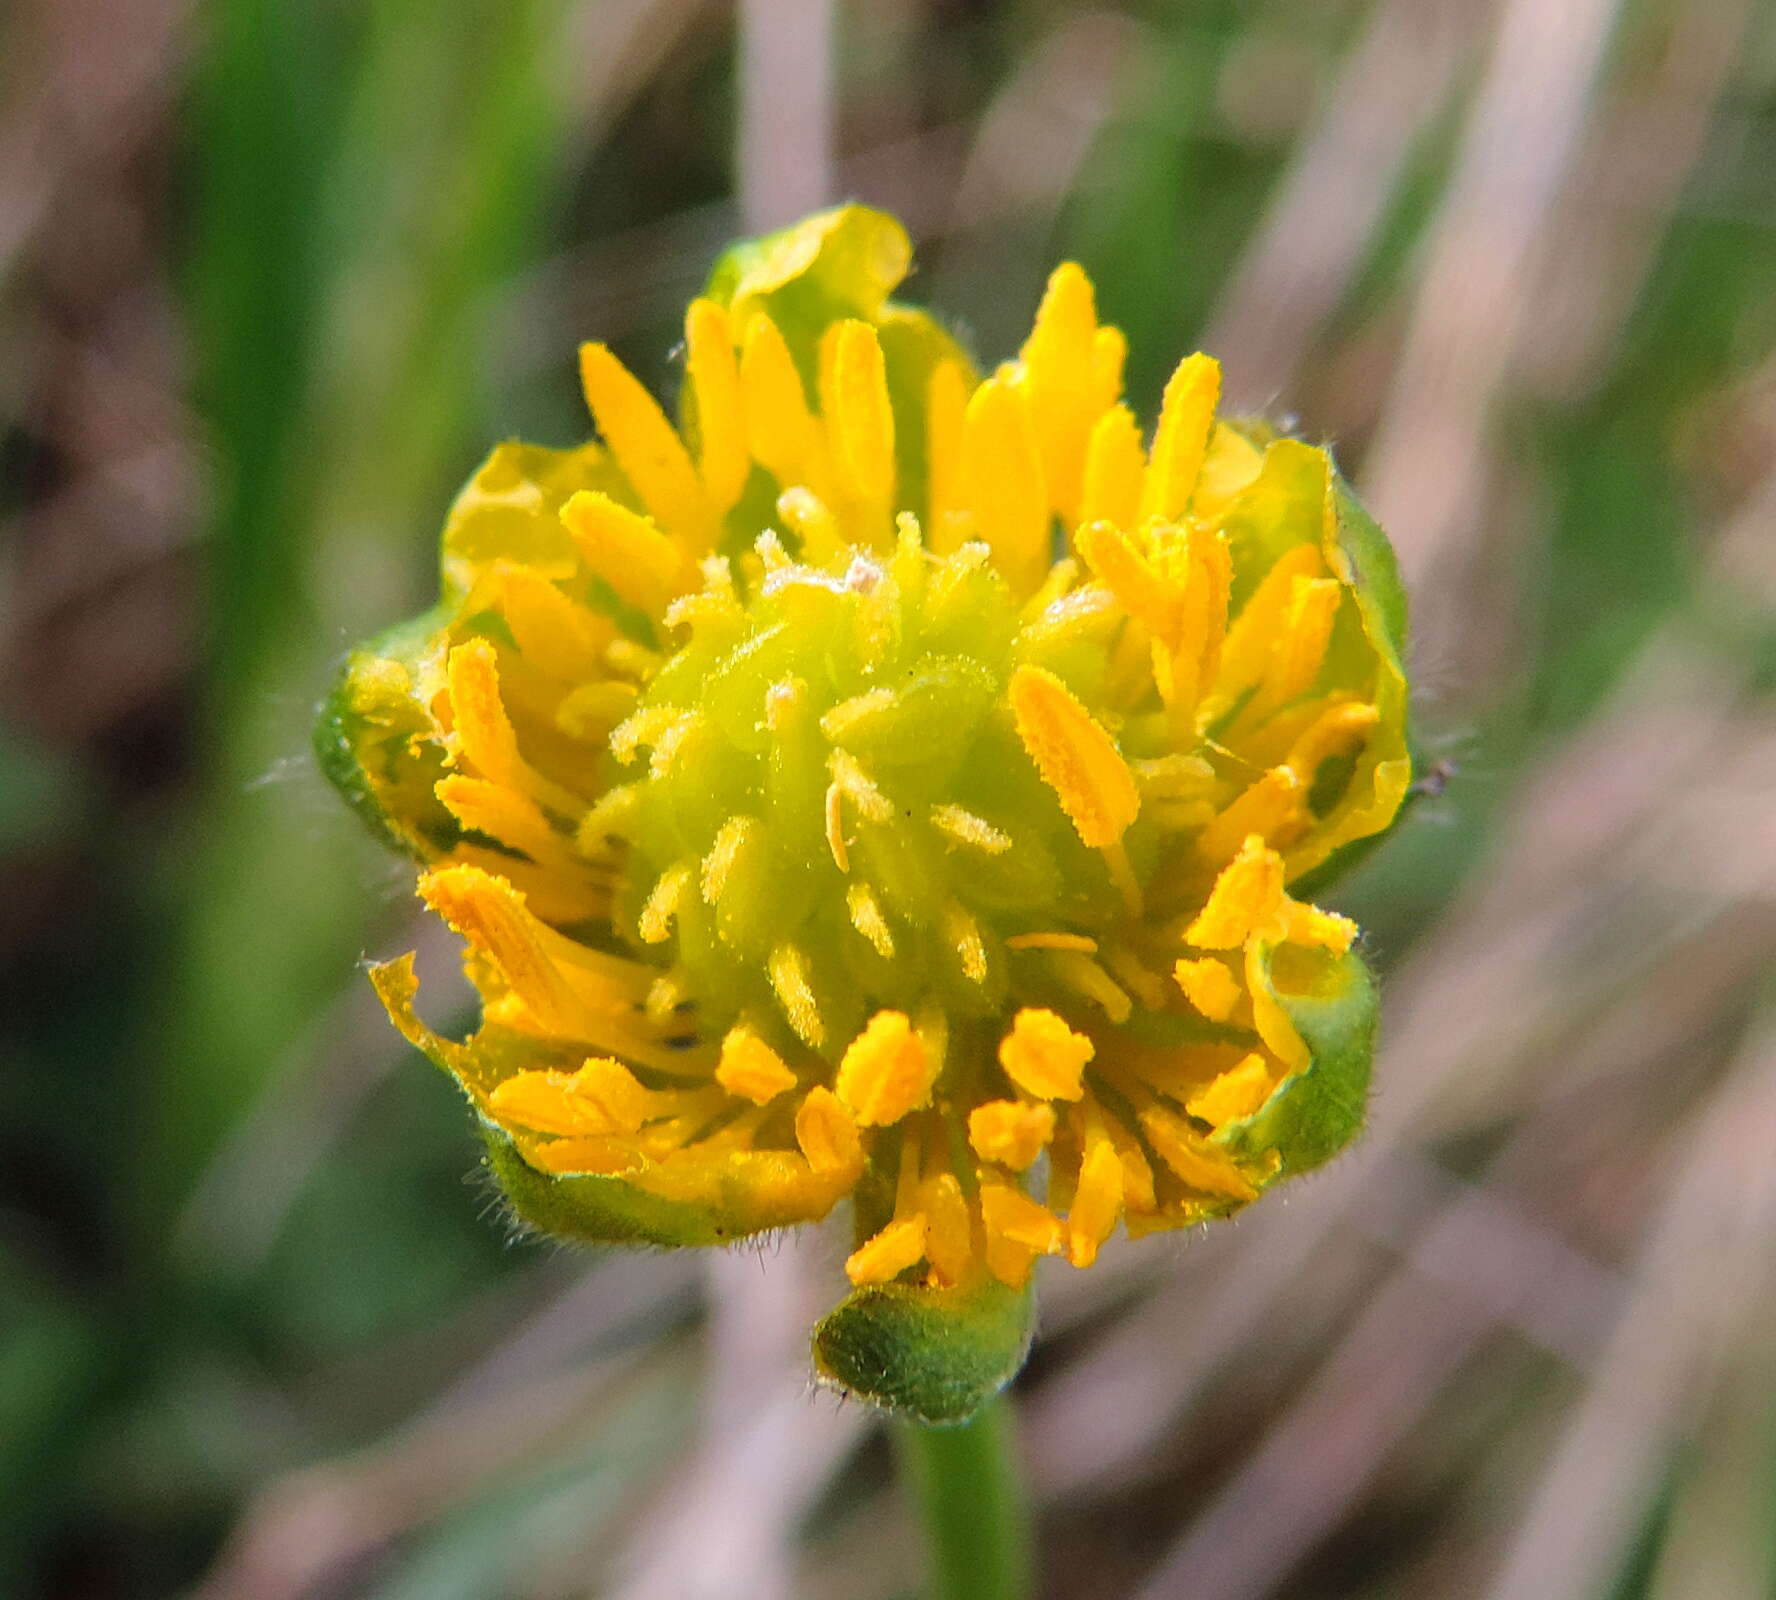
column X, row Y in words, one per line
column 1247, row 896
column 484, row 733
column 1044, row 1057
column 949, row 1231
column 826, row 1133
column 1200, row 1164
column 663, row 902
column 750, row 1068
column 1010, row 1132
column 625, row 549
column 1083, row 943
column 1114, row 467
column 884, row 1257
column 1182, row 438
column 867, row 918
column 1084, row 975
column 886, row 1071
column 647, row 447
column 859, row 418
column 1002, row 483
column 1234, row 1095
column 723, row 459
column 780, row 429
column 1209, row 986
column 1075, row 756
column 1097, row 1201
column 731, row 839
column 787, row 968
column 964, row 936
column 968, row 829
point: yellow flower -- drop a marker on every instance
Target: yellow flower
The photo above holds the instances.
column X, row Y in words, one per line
column 890, row 783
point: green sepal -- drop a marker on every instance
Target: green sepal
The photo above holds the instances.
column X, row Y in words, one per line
column 934, row 1354
column 840, row 263
column 371, row 746
column 590, row 1209
column 1333, row 1004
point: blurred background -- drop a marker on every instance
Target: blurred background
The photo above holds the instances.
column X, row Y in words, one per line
column 274, row 276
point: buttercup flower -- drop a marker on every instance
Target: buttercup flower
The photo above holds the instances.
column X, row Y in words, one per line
column 895, row 785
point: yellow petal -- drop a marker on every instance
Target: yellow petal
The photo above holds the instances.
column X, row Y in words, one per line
column 645, row 567
column 1199, row 1163
column 1044, row 1057
column 1010, row 1214
column 1097, row 1202
column 1235, row 1094
column 1247, row 896
column 484, row 734
column 1209, row 986
column 1114, row 467
column 1002, row 483
column 859, row 419
column 779, row 426
column 827, row 1134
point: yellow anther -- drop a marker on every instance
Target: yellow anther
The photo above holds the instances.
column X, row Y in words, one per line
column 810, row 519
column 647, row 447
column 850, row 778
column 1044, row 1057
column 964, row 936
column 1274, row 808
column 827, row 1134
column 879, row 1260
column 834, row 810
column 624, row 548
column 1002, row 483
column 665, row 995
column 968, row 829
column 1209, row 986
column 1011, row 1214
column 787, row 968
column 1182, row 438
column 1114, row 467
column 949, row 1230
column 1057, row 361
column 730, row 840
column 722, row 456
column 779, row 425
column 1246, row 898
column 1083, row 943
column 1011, row 1132
column 1235, row 1094
column 1305, row 924
column 886, row 1071
column 858, row 714
column 859, row 418
column 1083, row 975
column 867, row 918
column 1200, row 1164
column 1097, row 1201
column 1075, row 756
column 750, row 1068
column 590, row 711
column 663, row 903
column 946, row 404
column 645, row 728
column 483, row 732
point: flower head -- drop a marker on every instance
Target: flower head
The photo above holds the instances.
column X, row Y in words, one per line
column 894, row 784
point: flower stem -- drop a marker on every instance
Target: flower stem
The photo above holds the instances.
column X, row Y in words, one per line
column 969, row 1491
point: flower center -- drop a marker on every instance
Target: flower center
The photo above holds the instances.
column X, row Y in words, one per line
column 836, row 809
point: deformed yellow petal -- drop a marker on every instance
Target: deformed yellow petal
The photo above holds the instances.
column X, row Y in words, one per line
column 827, row 1134
column 645, row 567
column 1010, row 1132
column 854, row 382
column 1115, row 465
column 898, row 1246
column 780, row 429
column 1200, row 1164
column 1002, row 483
column 1209, row 986
column 949, row 1231
column 886, row 1071
column 722, row 457
column 1236, row 1093
column 484, row 733
column 1044, row 1057
column 1247, row 896
column 750, row 1068
column 1097, row 1202
column 1011, row 1214
column 602, row 1097
column 1076, row 757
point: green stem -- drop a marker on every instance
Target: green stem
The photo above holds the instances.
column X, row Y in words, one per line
column 970, row 1496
